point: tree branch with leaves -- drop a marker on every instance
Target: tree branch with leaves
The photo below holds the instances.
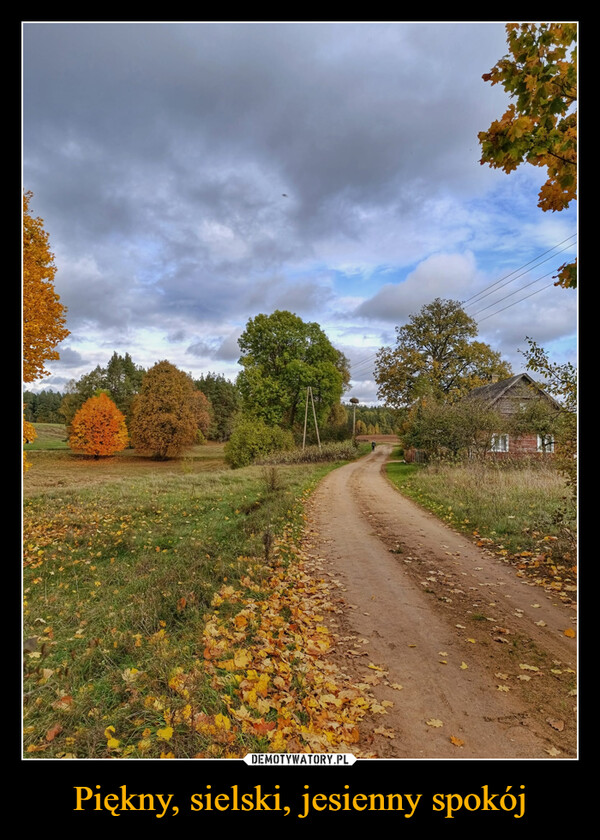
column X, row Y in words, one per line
column 540, row 126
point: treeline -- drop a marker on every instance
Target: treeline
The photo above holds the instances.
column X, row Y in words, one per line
column 43, row 407
column 374, row 420
column 121, row 379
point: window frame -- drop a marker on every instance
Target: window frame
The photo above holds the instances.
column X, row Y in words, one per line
column 546, row 448
column 497, row 443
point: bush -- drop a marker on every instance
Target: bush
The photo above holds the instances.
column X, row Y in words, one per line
column 252, row 438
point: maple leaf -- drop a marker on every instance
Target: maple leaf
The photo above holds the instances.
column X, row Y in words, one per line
column 458, row 742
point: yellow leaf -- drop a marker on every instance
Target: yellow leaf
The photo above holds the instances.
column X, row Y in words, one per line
column 434, row 722
column 456, row 741
column 570, row 633
column 242, row 658
column 165, row 734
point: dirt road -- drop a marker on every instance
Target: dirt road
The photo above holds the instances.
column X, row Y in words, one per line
column 481, row 657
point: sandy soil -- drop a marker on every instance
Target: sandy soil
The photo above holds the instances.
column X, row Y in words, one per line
column 481, row 656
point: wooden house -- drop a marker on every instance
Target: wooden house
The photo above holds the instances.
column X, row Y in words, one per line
column 508, row 397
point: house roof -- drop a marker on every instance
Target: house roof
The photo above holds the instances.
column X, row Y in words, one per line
column 491, row 393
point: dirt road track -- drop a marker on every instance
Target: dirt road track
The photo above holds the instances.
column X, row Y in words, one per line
column 422, row 602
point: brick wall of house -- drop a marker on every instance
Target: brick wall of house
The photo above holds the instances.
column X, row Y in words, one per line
column 525, row 445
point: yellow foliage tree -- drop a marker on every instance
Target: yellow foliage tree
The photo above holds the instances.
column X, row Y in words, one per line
column 29, row 436
column 98, row 428
column 44, row 315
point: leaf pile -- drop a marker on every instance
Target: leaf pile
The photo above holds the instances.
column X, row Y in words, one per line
column 265, row 647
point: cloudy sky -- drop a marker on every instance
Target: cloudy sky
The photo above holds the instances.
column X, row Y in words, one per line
column 193, row 175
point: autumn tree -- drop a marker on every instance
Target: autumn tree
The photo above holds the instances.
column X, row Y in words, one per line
column 436, row 355
column 281, row 356
column 44, row 316
column 29, row 435
column 164, row 413
column 98, row 428
column 540, row 126
column 203, row 414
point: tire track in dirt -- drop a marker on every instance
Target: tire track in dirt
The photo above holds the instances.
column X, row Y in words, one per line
column 422, row 602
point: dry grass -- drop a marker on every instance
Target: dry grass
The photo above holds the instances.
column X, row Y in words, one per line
column 64, row 470
column 513, row 507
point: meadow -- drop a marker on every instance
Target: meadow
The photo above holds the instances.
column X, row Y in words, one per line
column 169, row 612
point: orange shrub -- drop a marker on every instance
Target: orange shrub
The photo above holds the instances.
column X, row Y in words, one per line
column 98, row 428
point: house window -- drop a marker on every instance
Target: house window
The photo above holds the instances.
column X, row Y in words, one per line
column 499, row 443
column 545, row 443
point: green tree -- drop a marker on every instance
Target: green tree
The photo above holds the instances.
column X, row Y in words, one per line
column 540, row 127
column 453, row 430
column 436, row 355
column 281, row 356
column 164, row 413
column 121, row 378
column 224, row 400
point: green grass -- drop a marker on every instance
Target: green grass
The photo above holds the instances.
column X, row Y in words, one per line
column 119, row 581
column 49, row 436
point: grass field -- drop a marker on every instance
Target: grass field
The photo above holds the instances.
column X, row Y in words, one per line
column 49, row 436
column 168, row 612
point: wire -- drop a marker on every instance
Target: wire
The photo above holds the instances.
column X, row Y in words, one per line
column 481, row 295
column 537, row 291
column 520, row 289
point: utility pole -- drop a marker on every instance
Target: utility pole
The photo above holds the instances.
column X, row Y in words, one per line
column 354, row 402
column 309, row 391
column 315, row 416
column 305, row 419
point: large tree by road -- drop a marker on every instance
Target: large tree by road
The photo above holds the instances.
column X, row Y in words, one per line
column 436, row 355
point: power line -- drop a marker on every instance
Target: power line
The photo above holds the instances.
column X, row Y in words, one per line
column 506, row 276
column 537, row 291
column 520, row 289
